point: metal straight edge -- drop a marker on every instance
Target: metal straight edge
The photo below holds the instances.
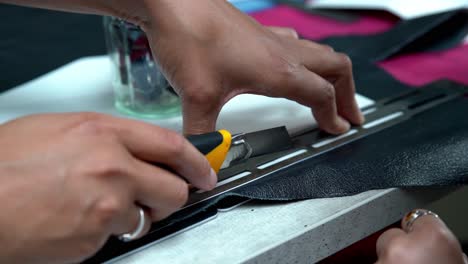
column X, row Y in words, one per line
column 387, row 113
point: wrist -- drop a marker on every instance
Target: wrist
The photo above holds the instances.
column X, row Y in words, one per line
column 143, row 13
column 135, row 12
column 168, row 16
column 159, row 13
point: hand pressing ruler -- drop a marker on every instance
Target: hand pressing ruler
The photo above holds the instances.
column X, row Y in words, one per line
column 307, row 145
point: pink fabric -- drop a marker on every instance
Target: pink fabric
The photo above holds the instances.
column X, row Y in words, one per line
column 423, row 68
column 317, row 27
column 414, row 69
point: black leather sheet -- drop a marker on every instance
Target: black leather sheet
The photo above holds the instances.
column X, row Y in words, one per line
column 431, row 149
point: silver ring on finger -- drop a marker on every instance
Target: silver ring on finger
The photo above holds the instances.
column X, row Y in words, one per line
column 138, row 232
column 409, row 220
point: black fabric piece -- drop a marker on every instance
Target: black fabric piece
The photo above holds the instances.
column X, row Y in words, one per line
column 374, row 82
column 429, row 33
column 447, row 35
column 436, row 32
column 335, row 14
column 34, row 42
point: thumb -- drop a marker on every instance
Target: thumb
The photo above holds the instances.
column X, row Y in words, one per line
column 200, row 117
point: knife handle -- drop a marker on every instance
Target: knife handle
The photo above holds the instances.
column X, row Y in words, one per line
column 215, row 146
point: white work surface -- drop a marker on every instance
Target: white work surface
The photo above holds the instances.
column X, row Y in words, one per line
column 299, row 232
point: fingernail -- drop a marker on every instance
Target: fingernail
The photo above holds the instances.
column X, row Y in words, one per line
column 343, row 124
column 362, row 119
column 213, row 179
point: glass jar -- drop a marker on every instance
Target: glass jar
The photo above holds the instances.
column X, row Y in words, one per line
column 140, row 88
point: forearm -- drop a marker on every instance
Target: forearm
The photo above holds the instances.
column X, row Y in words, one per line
column 157, row 14
column 132, row 10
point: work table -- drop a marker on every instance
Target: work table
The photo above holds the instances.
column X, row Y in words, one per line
column 296, row 232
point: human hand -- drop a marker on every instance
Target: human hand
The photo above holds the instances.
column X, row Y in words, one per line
column 428, row 241
column 211, row 52
column 69, row 181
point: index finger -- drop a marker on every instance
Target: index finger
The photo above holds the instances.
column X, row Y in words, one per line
column 309, row 89
column 162, row 146
column 336, row 68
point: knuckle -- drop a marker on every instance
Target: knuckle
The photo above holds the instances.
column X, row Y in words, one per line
column 292, row 32
column 328, row 48
column 90, row 123
column 345, row 61
column 106, row 163
column 180, row 194
column 99, row 165
column 327, row 94
column 176, row 144
column 101, row 157
column 397, row 251
column 199, row 93
column 107, row 210
column 85, row 117
column 286, row 72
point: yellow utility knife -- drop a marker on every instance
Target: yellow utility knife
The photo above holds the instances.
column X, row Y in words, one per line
column 223, row 149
